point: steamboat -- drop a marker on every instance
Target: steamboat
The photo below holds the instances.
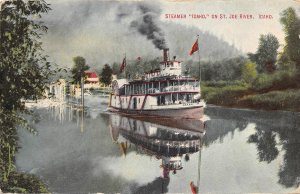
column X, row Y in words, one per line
column 162, row 92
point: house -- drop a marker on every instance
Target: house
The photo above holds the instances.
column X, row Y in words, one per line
column 91, row 80
column 91, row 77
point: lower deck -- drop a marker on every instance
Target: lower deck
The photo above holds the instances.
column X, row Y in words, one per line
column 184, row 106
column 155, row 101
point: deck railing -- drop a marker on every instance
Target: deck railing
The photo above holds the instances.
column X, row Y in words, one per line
column 187, row 88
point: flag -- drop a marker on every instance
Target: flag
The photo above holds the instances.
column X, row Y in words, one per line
column 194, row 48
column 194, row 189
column 123, row 65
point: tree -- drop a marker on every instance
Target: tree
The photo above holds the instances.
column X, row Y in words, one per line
column 106, row 73
column 78, row 69
column 249, row 72
column 266, row 54
column 24, row 71
column 291, row 25
column 115, row 68
column 135, row 69
column 225, row 69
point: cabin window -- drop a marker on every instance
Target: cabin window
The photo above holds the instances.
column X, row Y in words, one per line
column 134, row 103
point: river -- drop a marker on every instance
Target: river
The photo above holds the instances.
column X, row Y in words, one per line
column 235, row 151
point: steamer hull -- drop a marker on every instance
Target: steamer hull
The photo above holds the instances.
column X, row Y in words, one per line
column 192, row 112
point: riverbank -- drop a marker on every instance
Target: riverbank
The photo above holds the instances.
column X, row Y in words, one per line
column 12, row 179
column 43, row 103
column 277, row 96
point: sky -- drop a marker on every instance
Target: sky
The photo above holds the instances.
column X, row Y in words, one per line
column 243, row 33
column 106, row 31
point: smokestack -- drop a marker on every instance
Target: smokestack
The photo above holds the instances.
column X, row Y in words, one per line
column 166, row 54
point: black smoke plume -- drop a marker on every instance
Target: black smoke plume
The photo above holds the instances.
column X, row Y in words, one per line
column 147, row 24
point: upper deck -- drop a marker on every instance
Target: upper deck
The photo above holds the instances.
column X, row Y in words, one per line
column 166, row 68
column 158, row 86
column 166, row 79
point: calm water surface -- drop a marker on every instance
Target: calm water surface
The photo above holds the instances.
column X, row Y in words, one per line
column 242, row 151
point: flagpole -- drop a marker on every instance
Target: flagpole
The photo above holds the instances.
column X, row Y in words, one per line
column 199, row 59
column 125, row 66
column 200, row 147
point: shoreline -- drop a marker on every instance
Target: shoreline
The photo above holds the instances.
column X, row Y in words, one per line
column 43, row 103
column 245, row 108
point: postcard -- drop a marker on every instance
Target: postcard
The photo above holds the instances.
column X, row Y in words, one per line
column 166, row 96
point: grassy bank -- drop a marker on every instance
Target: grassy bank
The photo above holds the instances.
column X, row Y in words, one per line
column 279, row 91
column 274, row 100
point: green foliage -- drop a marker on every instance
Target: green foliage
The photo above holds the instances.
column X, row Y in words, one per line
column 291, row 25
column 135, row 69
column 23, row 183
column 276, row 91
column 266, row 54
column 227, row 95
column 24, row 68
column 284, row 63
column 274, row 100
column 226, row 69
column 106, row 73
column 24, row 72
column 249, row 72
column 242, row 96
column 220, row 84
column 78, row 69
column 277, row 81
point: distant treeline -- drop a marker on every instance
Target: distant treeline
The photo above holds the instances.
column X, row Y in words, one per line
column 226, row 69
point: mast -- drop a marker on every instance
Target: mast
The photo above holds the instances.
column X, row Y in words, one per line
column 125, row 65
column 199, row 59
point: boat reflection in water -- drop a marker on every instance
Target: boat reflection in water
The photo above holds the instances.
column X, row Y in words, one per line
column 159, row 138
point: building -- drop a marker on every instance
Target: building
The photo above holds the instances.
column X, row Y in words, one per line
column 57, row 89
column 91, row 80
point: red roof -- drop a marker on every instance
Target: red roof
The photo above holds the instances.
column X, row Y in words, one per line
column 91, row 74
